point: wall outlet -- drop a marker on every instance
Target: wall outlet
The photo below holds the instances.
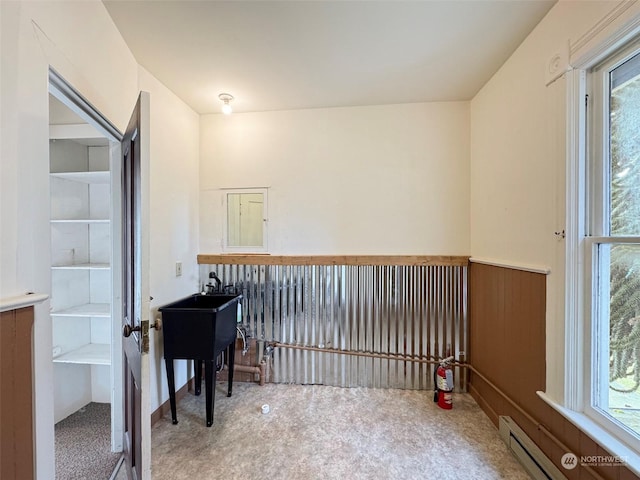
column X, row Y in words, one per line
column 178, row 269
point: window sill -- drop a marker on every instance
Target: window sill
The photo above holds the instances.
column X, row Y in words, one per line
column 597, row 433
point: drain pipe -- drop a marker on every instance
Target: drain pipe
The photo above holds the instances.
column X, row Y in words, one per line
column 260, row 370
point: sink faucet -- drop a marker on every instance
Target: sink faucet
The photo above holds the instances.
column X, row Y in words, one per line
column 217, row 280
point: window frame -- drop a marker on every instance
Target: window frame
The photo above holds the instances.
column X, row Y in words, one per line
column 593, row 232
column 593, row 322
column 566, row 338
column 264, row 248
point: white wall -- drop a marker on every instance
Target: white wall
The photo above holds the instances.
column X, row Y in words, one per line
column 80, row 41
column 390, row 179
column 518, row 138
column 174, row 216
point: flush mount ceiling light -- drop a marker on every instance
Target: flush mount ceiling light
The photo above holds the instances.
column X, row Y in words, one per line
column 226, row 103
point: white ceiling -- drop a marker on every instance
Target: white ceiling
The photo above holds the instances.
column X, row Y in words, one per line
column 299, row 54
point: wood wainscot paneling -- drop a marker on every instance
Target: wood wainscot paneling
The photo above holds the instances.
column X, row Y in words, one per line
column 16, row 393
column 507, row 332
column 507, row 316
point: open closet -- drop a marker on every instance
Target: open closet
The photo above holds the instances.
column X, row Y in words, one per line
column 85, row 324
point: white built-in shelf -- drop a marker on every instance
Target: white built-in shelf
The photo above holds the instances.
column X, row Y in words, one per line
column 81, row 240
column 81, row 221
column 85, row 177
column 86, row 310
column 82, row 266
column 90, row 354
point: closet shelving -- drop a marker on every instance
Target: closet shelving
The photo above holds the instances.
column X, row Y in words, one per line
column 80, row 233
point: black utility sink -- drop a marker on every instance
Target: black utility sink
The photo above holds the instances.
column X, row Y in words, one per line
column 199, row 327
column 198, row 300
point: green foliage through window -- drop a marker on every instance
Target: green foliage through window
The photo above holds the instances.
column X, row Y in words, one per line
column 624, row 258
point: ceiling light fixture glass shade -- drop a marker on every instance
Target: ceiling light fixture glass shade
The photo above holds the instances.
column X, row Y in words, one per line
column 226, row 103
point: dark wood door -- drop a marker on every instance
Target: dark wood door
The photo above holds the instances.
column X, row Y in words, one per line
column 135, row 322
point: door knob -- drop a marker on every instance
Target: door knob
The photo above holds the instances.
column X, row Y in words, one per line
column 127, row 330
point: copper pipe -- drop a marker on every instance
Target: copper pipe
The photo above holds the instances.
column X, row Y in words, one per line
column 385, row 356
column 259, row 370
column 408, row 358
column 263, row 373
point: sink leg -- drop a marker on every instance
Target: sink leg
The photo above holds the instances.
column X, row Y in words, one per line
column 210, row 389
column 172, row 389
column 231, row 353
column 197, row 379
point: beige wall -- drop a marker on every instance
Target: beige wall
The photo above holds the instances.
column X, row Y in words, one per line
column 518, row 161
column 390, row 179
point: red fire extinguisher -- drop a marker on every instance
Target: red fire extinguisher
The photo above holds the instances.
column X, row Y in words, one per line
column 443, row 379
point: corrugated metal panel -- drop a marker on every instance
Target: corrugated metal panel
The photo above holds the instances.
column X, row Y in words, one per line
column 410, row 310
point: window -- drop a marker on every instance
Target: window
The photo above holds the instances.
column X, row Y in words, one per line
column 612, row 245
column 245, row 220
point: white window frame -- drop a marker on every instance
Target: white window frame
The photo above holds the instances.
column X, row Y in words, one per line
column 600, row 45
column 264, row 248
column 597, row 234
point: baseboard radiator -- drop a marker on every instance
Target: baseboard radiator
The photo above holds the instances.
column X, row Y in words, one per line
column 535, row 462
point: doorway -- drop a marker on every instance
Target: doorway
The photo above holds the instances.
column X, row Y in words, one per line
column 86, row 285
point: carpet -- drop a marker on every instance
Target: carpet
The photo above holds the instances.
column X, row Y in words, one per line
column 83, row 444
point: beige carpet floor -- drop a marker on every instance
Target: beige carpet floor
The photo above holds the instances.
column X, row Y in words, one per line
column 83, row 444
column 318, row 432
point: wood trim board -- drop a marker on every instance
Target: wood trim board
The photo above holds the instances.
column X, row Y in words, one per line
column 255, row 259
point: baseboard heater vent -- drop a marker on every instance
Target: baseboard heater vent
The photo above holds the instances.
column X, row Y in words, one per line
column 528, row 454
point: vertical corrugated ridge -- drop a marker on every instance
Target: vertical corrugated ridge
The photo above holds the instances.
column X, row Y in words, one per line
column 411, row 310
